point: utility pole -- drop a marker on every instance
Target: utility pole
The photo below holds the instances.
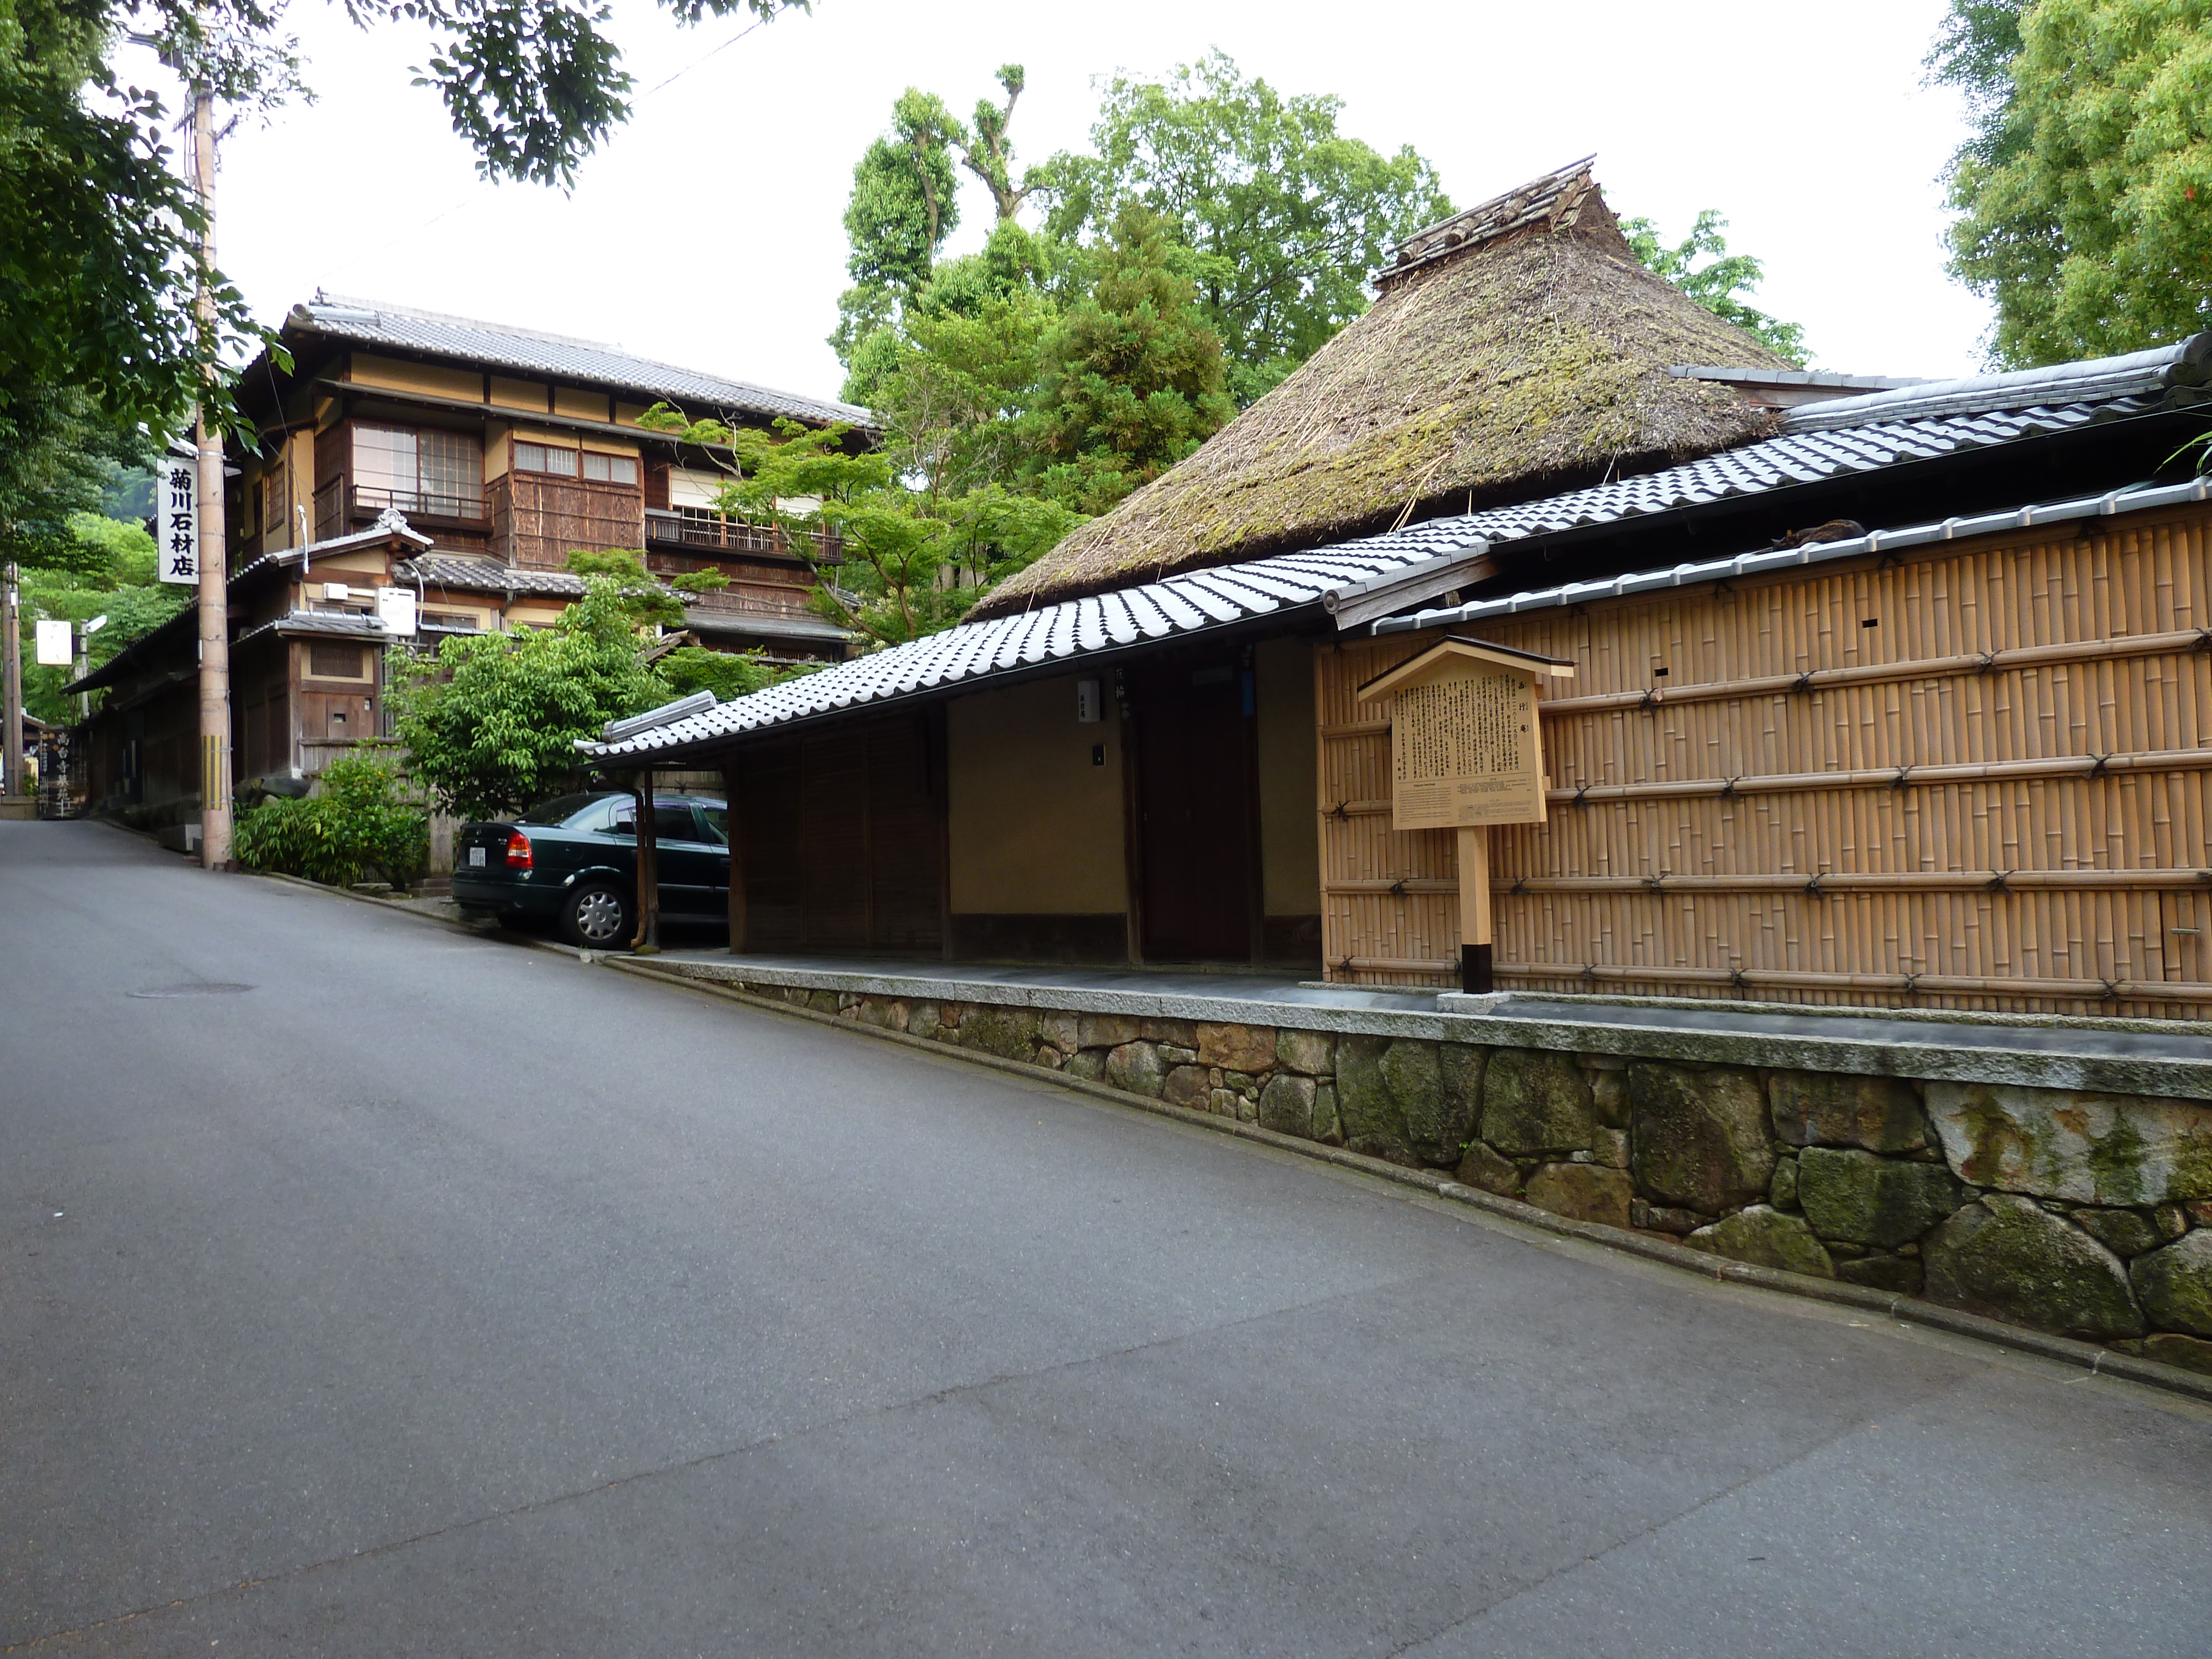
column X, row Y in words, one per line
column 11, row 775
column 214, row 523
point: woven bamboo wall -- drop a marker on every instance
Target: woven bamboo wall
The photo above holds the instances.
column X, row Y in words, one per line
column 1995, row 797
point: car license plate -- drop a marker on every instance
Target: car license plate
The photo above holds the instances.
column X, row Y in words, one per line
column 475, row 857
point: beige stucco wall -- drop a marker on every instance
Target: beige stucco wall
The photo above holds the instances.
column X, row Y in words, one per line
column 1036, row 825
column 465, row 384
column 1290, row 835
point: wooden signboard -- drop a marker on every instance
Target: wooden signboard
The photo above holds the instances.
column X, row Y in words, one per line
column 1466, row 752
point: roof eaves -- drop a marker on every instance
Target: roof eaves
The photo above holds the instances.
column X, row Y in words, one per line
column 2144, row 499
column 2181, row 364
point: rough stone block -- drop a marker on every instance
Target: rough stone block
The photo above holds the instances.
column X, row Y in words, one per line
column 1900, row 1274
column 2172, row 1220
column 2010, row 1259
column 1175, row 1054
column 1222, row 1103
column 1535, row 1101
column 1392, row 1098
column 1242, row 1081
column 1664, row 1219
column 1286, row 1105
column 1136, row 1067
column 1062, row 1030
column 2125, row 1233
column 1248, row 1108
column 2191, row 1353
column 1609, row 1147
column 1182, row 1033
column 922, row 1019
column 1187, row 1085
column 1583, row 1192
column 1009, row 1033
column 823, row 1002
column 1700, row 1136
column 1782, row 1191
column 884, row 1014
column 1325, row 1124
column 1832, row 1108
column 1864, row 1199
column 1089, row 1064
column 2107, row 1150
column 1609, row 1096
column 1313, row 1052
column 1767, row 1238
column 1237, row 1048
column 1486, row 1171
column 1104, row 1031
column 2175, row 1284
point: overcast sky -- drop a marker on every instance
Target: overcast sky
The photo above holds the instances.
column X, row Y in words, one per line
column 707, row 232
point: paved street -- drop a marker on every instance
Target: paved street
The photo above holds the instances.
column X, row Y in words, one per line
column 436, row 1295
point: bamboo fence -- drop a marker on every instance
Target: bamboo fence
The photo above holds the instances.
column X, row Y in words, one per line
column 1975, row 779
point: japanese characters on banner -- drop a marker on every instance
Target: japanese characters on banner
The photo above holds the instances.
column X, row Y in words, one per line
column 176, row 522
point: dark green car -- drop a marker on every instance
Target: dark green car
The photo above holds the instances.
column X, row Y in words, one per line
column 573, row 861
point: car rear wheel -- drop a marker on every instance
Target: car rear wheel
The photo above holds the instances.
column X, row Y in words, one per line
column 597, row 917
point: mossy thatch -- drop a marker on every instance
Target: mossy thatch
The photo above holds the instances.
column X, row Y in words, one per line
column 1518, row 345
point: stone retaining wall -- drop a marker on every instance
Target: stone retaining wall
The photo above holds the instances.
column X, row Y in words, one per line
column 2086, row 1215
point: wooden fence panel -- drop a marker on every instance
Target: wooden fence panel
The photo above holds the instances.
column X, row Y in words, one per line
column 1976, row 776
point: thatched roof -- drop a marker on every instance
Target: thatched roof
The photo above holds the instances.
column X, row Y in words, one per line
column 1516, row 349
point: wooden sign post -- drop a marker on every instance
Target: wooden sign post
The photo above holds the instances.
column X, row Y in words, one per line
column 1466, row 753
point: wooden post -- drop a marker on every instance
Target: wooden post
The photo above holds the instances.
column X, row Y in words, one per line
column 648, row 869
column 1474, row 969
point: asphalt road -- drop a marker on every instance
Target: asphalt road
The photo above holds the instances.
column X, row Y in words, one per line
column 437, row 1296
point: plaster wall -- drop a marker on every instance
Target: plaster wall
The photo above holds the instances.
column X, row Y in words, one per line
column 465, row 384
column 1036, row 819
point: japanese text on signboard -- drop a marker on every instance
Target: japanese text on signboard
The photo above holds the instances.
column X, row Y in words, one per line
column 1464, row 750
column 176, row 523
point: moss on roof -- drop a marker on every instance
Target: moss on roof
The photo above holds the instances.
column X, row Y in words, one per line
column 1511, row 348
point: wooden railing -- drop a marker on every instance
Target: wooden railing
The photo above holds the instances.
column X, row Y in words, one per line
column 664, row 528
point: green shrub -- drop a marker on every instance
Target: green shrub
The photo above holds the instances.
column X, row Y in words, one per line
column 355, row 825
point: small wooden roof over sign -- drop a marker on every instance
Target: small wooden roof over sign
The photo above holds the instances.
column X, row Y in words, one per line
column 1455, row 654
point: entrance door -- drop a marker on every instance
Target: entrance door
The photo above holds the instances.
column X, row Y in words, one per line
column 1195, row 812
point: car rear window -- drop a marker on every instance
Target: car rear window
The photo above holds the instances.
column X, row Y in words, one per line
column 717, row 820
column 558, row 810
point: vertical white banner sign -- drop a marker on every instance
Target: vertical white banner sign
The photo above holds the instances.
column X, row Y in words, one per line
column 176, row 522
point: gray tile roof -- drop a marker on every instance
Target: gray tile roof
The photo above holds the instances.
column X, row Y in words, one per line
column 1751, row 564
column 1184, row 604
column 766, row 625
column 348, row 624
column 1908, row 423
column 476, row 575
column 501, row 345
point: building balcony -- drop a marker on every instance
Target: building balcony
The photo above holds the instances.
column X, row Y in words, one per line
column 708, row 533
column 340, row 507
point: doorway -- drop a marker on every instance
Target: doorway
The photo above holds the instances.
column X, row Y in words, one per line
column 1196, row 839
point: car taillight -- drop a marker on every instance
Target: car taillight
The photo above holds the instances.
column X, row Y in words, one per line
column 518, row 850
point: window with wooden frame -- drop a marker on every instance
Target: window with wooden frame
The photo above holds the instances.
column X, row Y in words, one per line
column 276, row 499
column 337, row 659
column 545, row 458
column 609, row 469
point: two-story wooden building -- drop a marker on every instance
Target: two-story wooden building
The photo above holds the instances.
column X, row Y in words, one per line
column 519, row 447
column 458, row 463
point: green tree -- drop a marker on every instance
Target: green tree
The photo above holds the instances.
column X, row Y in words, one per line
column 59, row 454
column 1133, row 378
column 1719, row 284
column 97, row 262
column 1288, row 216
column 990, row 155
column 356, row 824
column 111, row 574
column 490, row 723
column 2085, row 196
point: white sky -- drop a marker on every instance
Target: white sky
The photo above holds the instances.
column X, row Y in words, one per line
column 708, row 231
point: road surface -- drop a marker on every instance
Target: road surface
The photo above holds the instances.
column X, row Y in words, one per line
column 425, row 1294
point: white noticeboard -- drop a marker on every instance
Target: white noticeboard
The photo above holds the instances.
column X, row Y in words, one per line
column 395, row 609
column 176, row 522
column 54, row 645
